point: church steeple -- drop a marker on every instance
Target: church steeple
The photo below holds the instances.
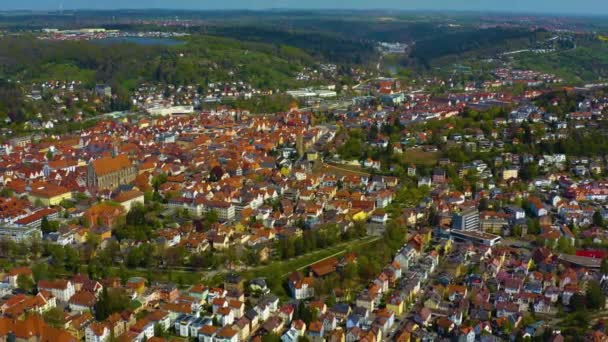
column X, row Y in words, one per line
column 115, row 150
column 300, row 144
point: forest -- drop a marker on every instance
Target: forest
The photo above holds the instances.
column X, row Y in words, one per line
column 459, row 42
column 587, row 62
column 201, row 59
column 12, row 104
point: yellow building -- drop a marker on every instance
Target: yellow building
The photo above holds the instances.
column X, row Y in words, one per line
column 509, row 174
column 395, row 304
column 129, row 198
column 312, row 155
column 431, row 303
column 360, row 216
column 48, row 194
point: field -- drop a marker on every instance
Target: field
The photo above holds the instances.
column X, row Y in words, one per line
column 420, row 157
column 276, row 270
column 342, row 170
column 281, row 269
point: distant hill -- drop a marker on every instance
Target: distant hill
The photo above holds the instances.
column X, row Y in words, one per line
column 201, row 59
column 482, row 41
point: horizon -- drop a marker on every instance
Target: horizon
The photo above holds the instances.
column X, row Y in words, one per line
column 536, row 7
column 277, row 10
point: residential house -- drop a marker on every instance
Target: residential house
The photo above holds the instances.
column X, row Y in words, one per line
column 62, row 289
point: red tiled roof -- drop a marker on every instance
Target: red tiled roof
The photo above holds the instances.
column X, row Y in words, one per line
column 324, row 267
column 33, row 327
column 36, row 216
column 107, row 165
column 47, row 190
column 53, row 284
column 83, row 298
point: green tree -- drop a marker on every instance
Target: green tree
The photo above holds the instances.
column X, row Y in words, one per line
column 66, row 204
column 578, row 302
column 148, row 196
column 46, row 226
column 102, row 306
column 534, row 227
column 25, row 282
column 508, row 327
column 136, row 216
column 72, row 259
column 353, row 147
column 57, row 254
column 54, row 317
column 395, row 234
column 159, row 331
column 595, row 296
column 6, row 192
column 330, row 301
column 93, row 241
column 305, row 313
column 598, row 220
column 604, row 266
column 40, row 271
column 159, row 180
column 109, row 302
column 210, row 218
column 8, row 248
column 529, row 171
column 564, row 245
column 95, row 268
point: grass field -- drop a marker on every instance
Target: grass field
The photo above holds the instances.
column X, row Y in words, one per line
column 276, row 270
column 420, row 157
column 283, row 268
column 303, row 261
column 341, row 170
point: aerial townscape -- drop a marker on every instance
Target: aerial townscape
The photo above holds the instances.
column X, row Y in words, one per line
column 303, row 175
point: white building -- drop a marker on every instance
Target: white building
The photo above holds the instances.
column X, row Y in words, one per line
column 62, row 289
column 97, row 332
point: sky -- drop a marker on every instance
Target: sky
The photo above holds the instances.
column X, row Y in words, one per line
column 532, row 6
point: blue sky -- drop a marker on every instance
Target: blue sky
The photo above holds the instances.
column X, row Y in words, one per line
column 538, row 6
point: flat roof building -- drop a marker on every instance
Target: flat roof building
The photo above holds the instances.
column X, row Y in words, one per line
column 476, row 237
column 467, row 219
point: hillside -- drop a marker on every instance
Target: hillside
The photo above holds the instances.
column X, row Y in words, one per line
column 481, row 42
column 588, row 62
column 200, row 59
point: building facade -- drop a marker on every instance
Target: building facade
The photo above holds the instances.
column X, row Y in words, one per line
column 110, row 172
column 466, row 220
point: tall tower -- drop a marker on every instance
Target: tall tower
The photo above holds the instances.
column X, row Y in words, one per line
column 115, row 150
column 300, row 144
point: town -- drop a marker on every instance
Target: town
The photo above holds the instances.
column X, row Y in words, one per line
column 354, row 203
